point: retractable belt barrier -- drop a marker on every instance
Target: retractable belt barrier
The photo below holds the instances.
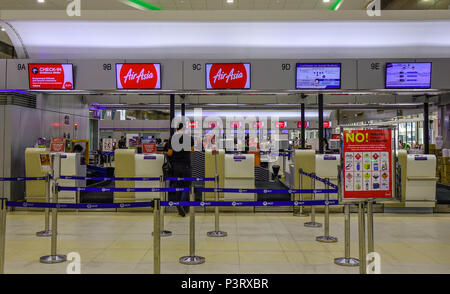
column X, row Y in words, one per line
column 169, row 204
column 78, row 206
column 23, row 179
column 311, row 175
column 99, row 189
column 108, row 178
column 268, row 191
column 190, row 179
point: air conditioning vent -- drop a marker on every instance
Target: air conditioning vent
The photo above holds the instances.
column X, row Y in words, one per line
column 17, row 98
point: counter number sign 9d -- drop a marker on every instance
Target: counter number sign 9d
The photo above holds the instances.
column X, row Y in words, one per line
column 367, row 163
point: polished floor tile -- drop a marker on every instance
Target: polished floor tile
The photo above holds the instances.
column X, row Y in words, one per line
column 122, row 242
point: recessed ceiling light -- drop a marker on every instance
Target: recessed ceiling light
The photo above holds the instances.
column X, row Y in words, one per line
column 230, row 1
column 41, row 1
column 326, row 1
column 2, row 29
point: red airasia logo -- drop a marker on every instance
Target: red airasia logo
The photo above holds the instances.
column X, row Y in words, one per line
column 138, row 76
column 228, row 76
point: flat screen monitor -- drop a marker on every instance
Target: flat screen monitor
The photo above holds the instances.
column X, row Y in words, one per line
column 318, row 76
column 412, row 75
column 50, row 76
column 228, row 76
column 138, row 76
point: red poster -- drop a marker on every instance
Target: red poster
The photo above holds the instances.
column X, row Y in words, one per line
column 299, row 124
column 138, row 76
column 327, row 124
column 368, row 169
column 335, row 136
column 258, row 124
column 235, row 124
column 192, row 124
column 281, row 124
column 213, row 124
column 57, row 145
column 149, row 148
column 228, row 76
column 50, row 76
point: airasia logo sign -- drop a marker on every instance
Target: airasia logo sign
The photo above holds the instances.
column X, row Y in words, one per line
column 51, row 76
column 138, row 76
column 228, row 76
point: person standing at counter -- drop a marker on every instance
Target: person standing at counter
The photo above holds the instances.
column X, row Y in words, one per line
column 181, row 163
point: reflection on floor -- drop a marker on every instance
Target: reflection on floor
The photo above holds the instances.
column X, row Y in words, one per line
column 257, row 243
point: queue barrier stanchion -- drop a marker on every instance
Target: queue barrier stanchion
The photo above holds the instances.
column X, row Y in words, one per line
column 156, row 236
column 313, row 223
column 347, row 260
column 326, row 238
column 3, row 211
column 163, row 232
column 192, row 259
column 217, row 232
column 54, row 257
column 300, row 211
column 362, row 238
column 370, row 234
column 46, row 232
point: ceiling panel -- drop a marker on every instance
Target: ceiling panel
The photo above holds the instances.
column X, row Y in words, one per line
column 221, row 4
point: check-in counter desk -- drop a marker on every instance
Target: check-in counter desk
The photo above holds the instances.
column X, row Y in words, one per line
column 327, row 167
column 239, row 173
column 210, row 172
column 420, row 181
column 148, row 166
column 124, row 167
column 305, row 160
column 70, row 167
column 35, row 191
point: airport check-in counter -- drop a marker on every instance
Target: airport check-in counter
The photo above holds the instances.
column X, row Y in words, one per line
column 305, row 160
column 70, row 167
column 239, row 173
column 35, row 191
column 148, row 166
column 327, row 167
column 210, row 172
column 124, row 167
column 420, row 181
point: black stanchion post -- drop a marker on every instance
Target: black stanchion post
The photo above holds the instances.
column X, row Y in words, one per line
column 313, row 223
column 46, row 232
column 326, row 238
column 54, row 257
column 362, row 238
column 347, row 260
column 303, row 140
column 217, row 232
column 192, row 259
column 163, row 232
column 321, row 136
column 3, row 211
column 299, row 211
column 156, row 236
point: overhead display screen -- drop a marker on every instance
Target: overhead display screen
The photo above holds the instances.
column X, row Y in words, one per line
column 318, row 76
column 50, row 76
column 228, row 76
column 414, row 75
column 138, row 76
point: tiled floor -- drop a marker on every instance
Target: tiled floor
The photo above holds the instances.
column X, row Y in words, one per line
column 256, row 243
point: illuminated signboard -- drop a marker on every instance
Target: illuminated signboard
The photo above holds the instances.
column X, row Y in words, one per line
column 138, row 76
column 227, row 76
column 50, row 76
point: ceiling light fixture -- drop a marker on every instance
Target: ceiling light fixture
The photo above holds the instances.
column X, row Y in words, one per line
column 41, row 1
column 230, row 1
